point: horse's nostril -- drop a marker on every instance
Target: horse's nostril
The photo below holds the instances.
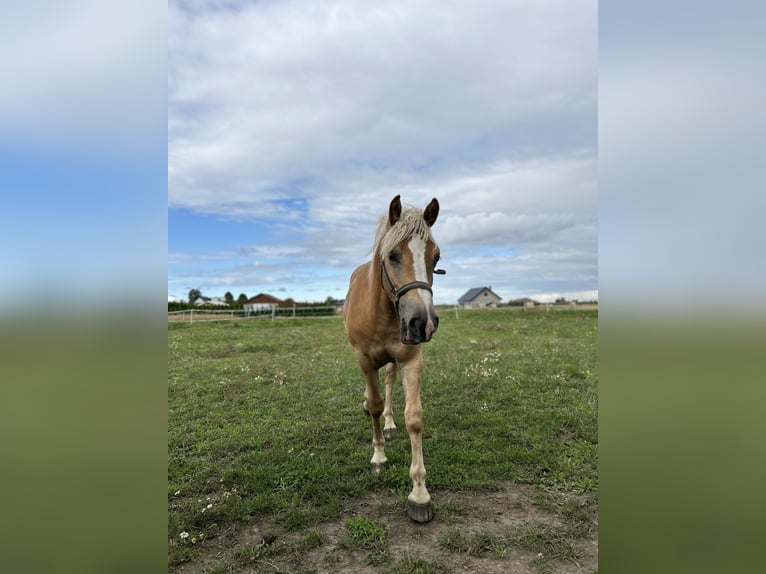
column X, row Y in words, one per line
column 416, row 328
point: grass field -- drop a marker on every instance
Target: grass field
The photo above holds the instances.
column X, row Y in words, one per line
column 269, row 447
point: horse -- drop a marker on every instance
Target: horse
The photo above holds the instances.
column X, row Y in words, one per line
column 388, row 313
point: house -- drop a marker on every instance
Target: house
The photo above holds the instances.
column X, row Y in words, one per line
column 260, row 302
column 211, row 301
column 479, row 298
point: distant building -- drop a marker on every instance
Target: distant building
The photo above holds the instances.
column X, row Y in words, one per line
column 479, row 298
column 211, row 301
column 260, row 302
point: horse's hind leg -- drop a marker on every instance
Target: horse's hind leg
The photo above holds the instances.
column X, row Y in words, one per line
column 389, row 428
column 373, row 404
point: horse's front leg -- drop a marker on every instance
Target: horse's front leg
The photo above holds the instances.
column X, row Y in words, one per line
column 389, row 428
column 419, row 506
column 373, row 404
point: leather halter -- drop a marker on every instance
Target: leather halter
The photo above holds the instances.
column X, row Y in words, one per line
column 397, row 293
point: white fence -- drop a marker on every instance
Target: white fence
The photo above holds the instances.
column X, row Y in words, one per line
column 198, row 315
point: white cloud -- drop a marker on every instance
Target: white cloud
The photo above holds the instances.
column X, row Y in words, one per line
column 346, row 104
column 277, row 91
column 83, row 71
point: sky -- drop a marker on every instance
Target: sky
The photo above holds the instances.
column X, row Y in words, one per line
column 83, row 148
column 292, row 125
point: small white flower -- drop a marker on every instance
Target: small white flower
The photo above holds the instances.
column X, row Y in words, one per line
column 184, row 535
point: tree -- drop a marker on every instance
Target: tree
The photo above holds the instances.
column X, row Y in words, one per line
column 228, row 297
column 242, row 299
column 193, row 294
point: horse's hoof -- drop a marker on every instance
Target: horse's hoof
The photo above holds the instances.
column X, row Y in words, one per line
column 388, row 434
column 420, row 512
column 376, row 467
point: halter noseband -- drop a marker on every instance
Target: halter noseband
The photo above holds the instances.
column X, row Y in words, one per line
column 397, row 293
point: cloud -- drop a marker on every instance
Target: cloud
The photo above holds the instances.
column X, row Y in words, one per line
column 497, row 228
column 306, row 118
column 96, row 77
column 278, row 91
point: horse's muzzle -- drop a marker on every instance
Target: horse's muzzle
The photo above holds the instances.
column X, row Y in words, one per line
column 418, row 331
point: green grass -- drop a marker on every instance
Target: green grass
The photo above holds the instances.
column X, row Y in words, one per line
column 370, row 535
column 410, row 565
column 314, row 539
column 547, row 542
column 365, row 533
column 265, row 417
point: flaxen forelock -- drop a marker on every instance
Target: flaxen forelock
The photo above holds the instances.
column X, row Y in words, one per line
column 411, row 223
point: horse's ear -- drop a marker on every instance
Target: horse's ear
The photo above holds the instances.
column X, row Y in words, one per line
column 431, row 212
column 394, row 210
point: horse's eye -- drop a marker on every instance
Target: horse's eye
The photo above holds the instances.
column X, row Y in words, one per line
column 394, row 257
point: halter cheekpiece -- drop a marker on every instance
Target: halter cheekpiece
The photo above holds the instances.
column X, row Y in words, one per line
column 397, row 293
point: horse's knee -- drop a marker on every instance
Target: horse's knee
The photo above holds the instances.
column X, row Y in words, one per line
column 374, row 406
column 413, row 419
column 415, row 426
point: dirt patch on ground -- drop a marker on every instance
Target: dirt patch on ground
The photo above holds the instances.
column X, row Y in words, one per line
column 409, row 545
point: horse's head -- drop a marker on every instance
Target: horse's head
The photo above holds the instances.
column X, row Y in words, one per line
column 408, row 257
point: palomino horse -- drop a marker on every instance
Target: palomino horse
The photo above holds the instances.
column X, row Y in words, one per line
column 389, row 311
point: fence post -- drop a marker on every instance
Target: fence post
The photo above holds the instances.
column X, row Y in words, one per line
column 191, row 316
column 293, row 310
